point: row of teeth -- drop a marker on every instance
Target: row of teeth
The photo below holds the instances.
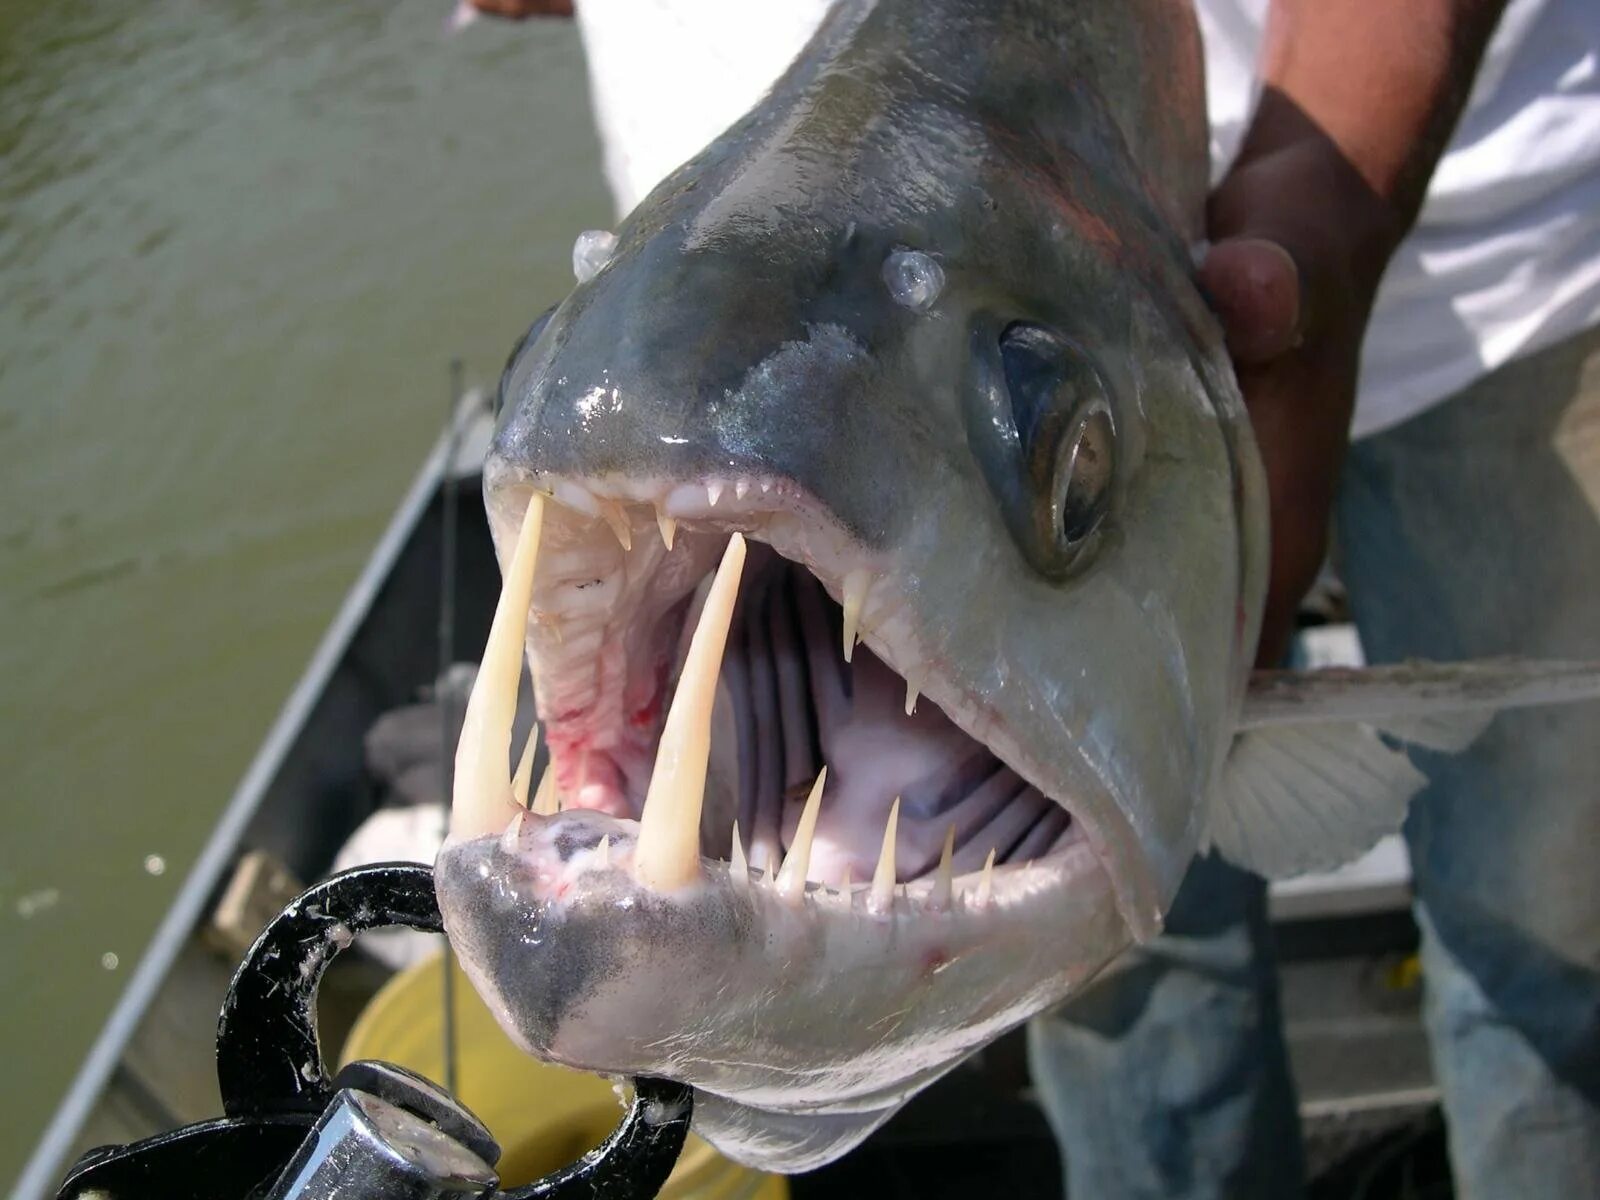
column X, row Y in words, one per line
column 666, row 855
column 854, row 586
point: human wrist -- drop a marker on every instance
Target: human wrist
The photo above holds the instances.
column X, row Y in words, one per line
column 1295, row 189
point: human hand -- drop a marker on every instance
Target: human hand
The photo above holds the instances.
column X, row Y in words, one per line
column 1299, row 243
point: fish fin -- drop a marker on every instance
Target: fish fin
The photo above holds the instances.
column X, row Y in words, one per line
column 1309, row 797
column 1446, row 732
column 1315, row 778
column 1392, row 695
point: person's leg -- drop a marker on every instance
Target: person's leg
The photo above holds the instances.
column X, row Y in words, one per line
column 1169, row 1078
column 1474, row 530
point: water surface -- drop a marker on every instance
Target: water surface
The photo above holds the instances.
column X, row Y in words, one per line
column 239, row 243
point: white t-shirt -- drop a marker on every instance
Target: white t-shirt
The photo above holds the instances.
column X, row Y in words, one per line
column 1505, row 259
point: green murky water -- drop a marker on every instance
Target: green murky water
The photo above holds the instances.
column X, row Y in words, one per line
column 239, row 243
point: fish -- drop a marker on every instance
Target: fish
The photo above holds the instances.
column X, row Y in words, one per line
column 884, row 534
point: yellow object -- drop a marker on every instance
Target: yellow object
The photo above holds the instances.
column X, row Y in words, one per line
column 543, row 1116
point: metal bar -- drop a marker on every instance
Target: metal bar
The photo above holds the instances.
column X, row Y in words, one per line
column 447, row 656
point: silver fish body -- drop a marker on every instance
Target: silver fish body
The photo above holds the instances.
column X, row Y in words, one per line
column 923, row 325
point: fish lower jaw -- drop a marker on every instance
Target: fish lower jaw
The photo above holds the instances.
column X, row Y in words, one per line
column 803, row 1019
column 561, row 854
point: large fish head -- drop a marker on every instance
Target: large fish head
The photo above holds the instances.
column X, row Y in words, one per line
column 961, row 397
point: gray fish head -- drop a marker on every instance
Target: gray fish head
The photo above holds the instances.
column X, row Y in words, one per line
column 968, row 406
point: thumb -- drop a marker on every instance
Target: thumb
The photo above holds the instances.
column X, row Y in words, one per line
column 1254, row 286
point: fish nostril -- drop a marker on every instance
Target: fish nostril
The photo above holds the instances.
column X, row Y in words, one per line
column 913, row 278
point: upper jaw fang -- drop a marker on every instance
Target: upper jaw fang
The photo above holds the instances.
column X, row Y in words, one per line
column 483, row 800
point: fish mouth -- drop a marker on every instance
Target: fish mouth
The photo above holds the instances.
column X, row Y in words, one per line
column 804, row 874
column 826, row 665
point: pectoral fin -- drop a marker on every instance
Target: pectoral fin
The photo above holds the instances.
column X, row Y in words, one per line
column 1318, row 774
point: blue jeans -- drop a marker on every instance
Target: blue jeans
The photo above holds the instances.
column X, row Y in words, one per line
column 1471, row 530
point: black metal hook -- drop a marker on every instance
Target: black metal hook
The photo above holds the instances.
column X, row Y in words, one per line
column 274, row 1082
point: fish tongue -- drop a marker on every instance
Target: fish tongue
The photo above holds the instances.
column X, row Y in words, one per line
column 878, row 753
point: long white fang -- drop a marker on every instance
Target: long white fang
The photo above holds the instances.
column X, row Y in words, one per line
column 855, row 588
column 792, row 879
column 985, row 882
column 612, row 514
column 524, row 775
column 511, row 838
column 545, row 801
column 738, row 865
column 713, row 493
column 881, row 898
column 603, row 851
column 944, row 880
column 668, row 527
column 481, row 800
column 667, row 854
column 912, row 692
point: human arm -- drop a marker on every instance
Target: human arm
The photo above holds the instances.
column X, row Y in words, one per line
column 1360, row 98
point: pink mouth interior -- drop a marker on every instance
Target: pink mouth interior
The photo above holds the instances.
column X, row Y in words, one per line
column 788, row 704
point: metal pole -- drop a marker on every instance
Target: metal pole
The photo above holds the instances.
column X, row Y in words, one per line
column 447, row 698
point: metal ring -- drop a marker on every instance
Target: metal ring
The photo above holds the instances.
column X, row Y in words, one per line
column 269, row 1062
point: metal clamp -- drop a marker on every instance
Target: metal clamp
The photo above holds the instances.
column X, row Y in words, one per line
column 376, row 1130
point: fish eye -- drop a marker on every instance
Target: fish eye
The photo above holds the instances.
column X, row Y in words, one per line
column 1081, row 489
column 1045, row 436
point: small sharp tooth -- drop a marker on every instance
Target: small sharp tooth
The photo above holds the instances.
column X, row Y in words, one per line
column 510, row 838
column 855, row 588
column 667, row 854
column 603, row 851
column 481, row 800
column 713, row 493
column 881, row 898
column 669, row 529
column 741, row 489
column 545, row 801
column 738, row 866
column 912, row 691
column 985, row 882
column 792, row 879
column 520, row 781
column 944, row 880
column 613, row 515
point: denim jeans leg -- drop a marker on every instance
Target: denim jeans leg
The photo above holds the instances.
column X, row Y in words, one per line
column 1474, row 530
column 1169, row 1078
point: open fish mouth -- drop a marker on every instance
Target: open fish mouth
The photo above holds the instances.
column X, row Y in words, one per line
column 795, row 871
column 625, row 569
